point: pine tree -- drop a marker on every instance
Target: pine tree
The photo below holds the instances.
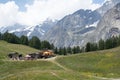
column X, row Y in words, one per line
column 93, row 47
column 24, row 40
column 52, row 46
column 0, row 36
column 11, row 38
column 5, row 36
column 78, row 49
column 34, row 42
column 108, row 44
column 45, row 45
column 16, row 39
column 56, row 50
column 118, row 41
column 114, row 41
column 83, row 49
column 64, row 51
column 101, row 44
column 74, row 50
column 60, row 51
column 69, row 50
column 88, row 47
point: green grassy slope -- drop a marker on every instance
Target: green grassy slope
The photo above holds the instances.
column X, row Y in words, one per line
column 102, row 63
column 23, row 70
column 6, row 48
column 88, row 66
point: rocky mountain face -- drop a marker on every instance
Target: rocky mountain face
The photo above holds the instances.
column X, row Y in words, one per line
column 72, row 29
column 107, row 5
column 85, row 26
column 109, row 25
column 75, row 29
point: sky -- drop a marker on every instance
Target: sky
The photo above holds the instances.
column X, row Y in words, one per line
column 33, row 12
column 98, row 1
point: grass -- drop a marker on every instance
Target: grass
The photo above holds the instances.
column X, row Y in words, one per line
column 6, row 48
column 101, row 65
column 23, row 69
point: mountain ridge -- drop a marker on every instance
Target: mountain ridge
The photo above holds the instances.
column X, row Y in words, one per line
column 72, row 30
column 71, row 36
column 109, row 23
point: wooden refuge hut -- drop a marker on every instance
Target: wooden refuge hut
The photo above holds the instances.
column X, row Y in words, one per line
column 47, row 53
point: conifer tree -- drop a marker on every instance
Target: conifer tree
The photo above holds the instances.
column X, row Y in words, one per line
column 114, row 42
column 108, row 43
column 24, row 40
column 45, row 45
column 11, row 38
column 93, row 47
column 60, row 51
column 69, row 50
column 52, row 46
column 88, row 47
column 56, row 50
column 118, row 41
column 64, row 51
column 78, row 49
column 0, row 36
column 34, row 42
column 74, row 50
column 101, row 44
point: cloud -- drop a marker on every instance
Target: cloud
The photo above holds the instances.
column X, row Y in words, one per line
column 40, row 10
column 8, row 13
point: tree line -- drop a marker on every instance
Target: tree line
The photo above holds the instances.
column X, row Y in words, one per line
column 35, row 42
column 100, row 45
column 103, row 44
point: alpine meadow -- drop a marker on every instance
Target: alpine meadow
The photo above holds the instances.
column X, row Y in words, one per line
column 59, row 40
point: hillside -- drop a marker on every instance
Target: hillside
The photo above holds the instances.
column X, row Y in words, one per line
column 101, row 65
column 6, row 48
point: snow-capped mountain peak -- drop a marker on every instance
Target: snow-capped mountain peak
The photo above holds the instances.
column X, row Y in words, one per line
column 29, row 31
column 38, row 30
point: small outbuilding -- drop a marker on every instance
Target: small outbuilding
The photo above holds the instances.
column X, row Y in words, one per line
column 31, row 56
column 15, row 56
column 27, row 57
